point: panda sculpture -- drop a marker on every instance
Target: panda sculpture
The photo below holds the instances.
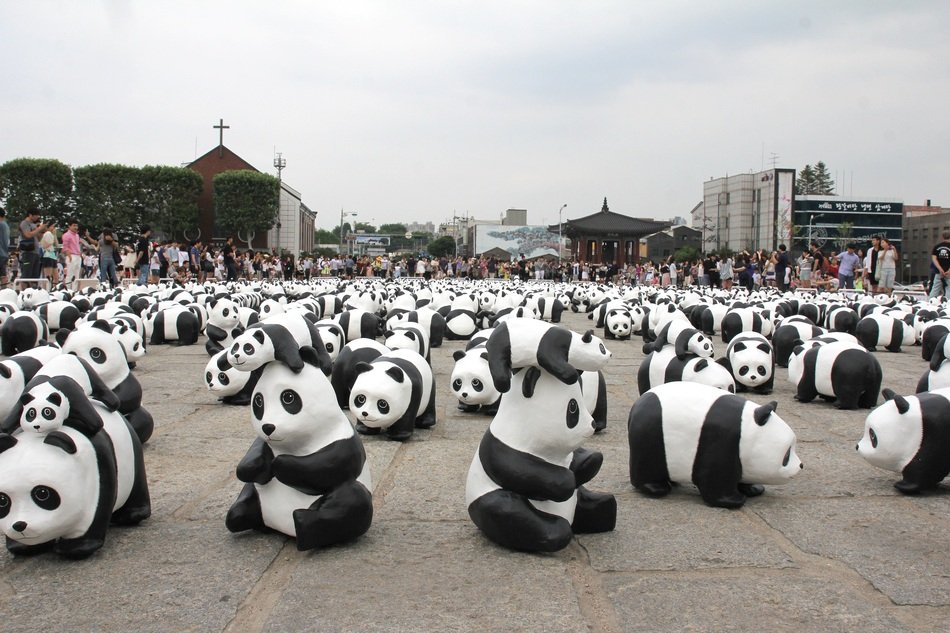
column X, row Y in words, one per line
column 409, row 336
column 739, row 320
column 17, row 371
column 594, row 388
column 940, row 353
column 932, row 380
column 278, row 338
column 472, row 383
column 174, row 323
column 665, row 366
column 750, row 360
column 306, row 473
column 359, row 323
column 52, row 402
column 395, row 393
column 618, row 325
column 932, row 337
column 426, row 317
column 104, row 354
column 230, row 385
column 59, row 314
column 460, row 324
column 684, row 339
column 224, row 323
column 530, row 342
column 884, row 330
column 724, row 444
column 789, row 335
column 841, row 319
column 61, row 489
column 22, row 331
column 333, row 337
column 132, row 343
column 910, row 435
column 525, row 487
column 343, row 374
column 836, row 371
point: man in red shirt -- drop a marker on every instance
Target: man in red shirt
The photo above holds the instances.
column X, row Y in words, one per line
column 72, row 251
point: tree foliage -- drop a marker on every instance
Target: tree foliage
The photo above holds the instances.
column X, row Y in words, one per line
column 245, row 202
column 44, row 183
column 322, row 236
column 169, row 198
column 444, row 245
column 393, row 229
column 686, row 254
column 108, row 194
column 365, row 227
column 815, row 181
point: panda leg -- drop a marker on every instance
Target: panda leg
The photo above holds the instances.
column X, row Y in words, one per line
column 595, row 512
column 467, row 408
column 490, row 409
column 142, row 423
column 138, row 506
column 849, row 399
column 805, row 394
column 19, row 549
column 401, row 430
column 339, row 516
column 366, row 430
column 245, row 512
column 600, row 407
column 751, row 490
column 427, row 419
column 721, row 494
column 510, row 520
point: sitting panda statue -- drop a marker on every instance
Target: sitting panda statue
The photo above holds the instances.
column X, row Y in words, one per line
column 230, row 385
column 224, row 324
column 471, row 381
column 306, row 474
column 910, row 435
column 62, row 484
column 525, row 487
column 724, row 444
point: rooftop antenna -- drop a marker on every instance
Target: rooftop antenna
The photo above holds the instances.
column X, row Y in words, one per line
column 773, row 158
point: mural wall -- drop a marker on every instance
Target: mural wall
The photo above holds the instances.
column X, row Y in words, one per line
column 532, row 241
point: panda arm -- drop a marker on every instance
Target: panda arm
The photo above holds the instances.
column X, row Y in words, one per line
column 586, row 464
column 319, row 473
column 102, row 393
column 257, row 464
column 524, row 473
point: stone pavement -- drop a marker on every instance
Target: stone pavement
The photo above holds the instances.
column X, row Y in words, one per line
column 835, row 550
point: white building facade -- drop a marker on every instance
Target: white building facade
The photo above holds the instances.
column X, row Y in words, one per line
column 294, row 231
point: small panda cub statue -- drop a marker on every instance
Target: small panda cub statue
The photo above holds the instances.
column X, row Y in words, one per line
column 525, row 487
column 750, row 360
column 75, row 467
column 724, row 444
column 910, row 435
column 472, row 383
column 306, row 474
column 394, row 393
column 230, row 385
column 683, row 338
column 278, row 338
column 224, row 324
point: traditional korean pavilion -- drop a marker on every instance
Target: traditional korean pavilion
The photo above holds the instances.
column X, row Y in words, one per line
column 607, row 237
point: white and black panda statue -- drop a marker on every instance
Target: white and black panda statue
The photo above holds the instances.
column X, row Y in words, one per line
column 17, row 371
column 910, row 435
column 618, row 324
column 60, row 489
column 836, row 371
column 594, row 388
column 750, row 360
column 306, row 474
column 525, row 487
column 683, row 338
column 278, row 338
column 724, row 444
column 884, row 330
column 224, row 324
column 22, row 331
column 664, row 366
column 471, row 381
column 395, row 393
column 230, row 385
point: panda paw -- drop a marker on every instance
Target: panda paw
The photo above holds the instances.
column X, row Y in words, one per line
column 366, row 430
column 655, row 489
column 19, row 549
column 731, row 501
column 907, row 488
column 751, row 490
column 79, row 547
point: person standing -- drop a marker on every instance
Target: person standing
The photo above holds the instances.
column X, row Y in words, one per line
column 48, row 245
column 848, row 265
column 29, row 258
column 107, row 246
column 72, row 253
column 886, row 267
column 725, row 272
column 780, row 259
column 228, row 253
column 871, row 265
column 143, row 257
column 941, row 261
column 4, row 246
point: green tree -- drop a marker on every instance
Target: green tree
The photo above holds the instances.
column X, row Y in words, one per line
column 814, row 181
column 245, row 202
column 110, row 194
column 444, row 245
column 365, row 227
column 322, row 236
column 169, row 198
column 845, row 233
column 44, row 183
column 686, row 254
column 393, row 229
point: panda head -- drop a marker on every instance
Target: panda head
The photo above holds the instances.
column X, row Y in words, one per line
column 699, row 344
column 221, row 378
column 297, row 412
column 543, row 416
column 713, row 374
column 100, row 348
column 251, row 350
column 588, row 352
column 471, row 379
column 47, row 490
column 45, row 409
column 223, row 313
column 752, row 363
column 381, row 394
column 892, row 432
column 332, row 336
column 619, row 323
column 405, row 338
column 270, row 308
column 131, row 342
column 766, row 446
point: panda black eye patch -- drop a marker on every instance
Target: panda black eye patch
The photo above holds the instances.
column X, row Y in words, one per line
column 290, row 400
column 573, row 414
column 258, row 406
column 45, row 497
column 97, row 355
column 457, row 384
column 223, row 378
column 4, row 505
column 48, row 413
column 476, row 384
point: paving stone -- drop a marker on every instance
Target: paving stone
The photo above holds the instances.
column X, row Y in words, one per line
column 756, row 600
column 903, row 553
column 411, row 576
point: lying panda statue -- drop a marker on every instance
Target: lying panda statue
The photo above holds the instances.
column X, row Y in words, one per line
column 306, row 473
column 394, row 393
column 61, row 488
column 230, row 385
column 665, row 366
column 724, row 444
column 684, row 340
column 910, row 435
column 278, row 338
column 836, row 371
column 750, row 360
column 525, row 487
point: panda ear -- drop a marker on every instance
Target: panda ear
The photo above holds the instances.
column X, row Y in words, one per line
column 761, row 415
column 62, row 441
column 588, row 336
column 61, row 336
column 725, row 363
column 530, row 381
column 764, row 347
column 5, row 371
column 387, row 333
column 55, row 398
column 902, row 405
column 798, row 350
column 739, row 346
column 361, row 368
column 458, row 355
column 102, row 324
column 7, row 441
column 701, row 365
column 211, row 303
column 258, row 335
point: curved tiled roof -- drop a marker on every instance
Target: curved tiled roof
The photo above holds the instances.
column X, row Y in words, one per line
column 606, row 221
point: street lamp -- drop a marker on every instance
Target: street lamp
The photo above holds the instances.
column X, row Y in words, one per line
column 342, row 215
column 560, row 234
column 810, row 220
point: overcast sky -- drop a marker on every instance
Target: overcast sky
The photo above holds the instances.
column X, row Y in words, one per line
column 406, row 110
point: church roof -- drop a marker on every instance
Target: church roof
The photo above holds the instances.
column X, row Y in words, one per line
column 606, row 221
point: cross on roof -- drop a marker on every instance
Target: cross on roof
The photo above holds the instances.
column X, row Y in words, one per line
column 221, row 127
